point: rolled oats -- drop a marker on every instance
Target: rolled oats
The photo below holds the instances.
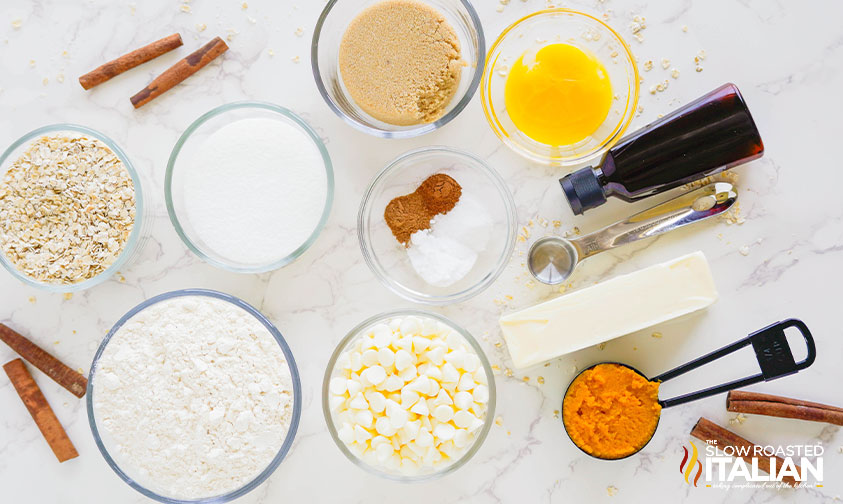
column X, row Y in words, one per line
column 67, row 208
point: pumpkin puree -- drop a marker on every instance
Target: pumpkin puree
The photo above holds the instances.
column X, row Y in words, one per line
column 610, row 411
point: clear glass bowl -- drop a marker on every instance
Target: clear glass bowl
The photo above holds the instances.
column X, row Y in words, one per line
column 388, row 258
column 139, row 230
column 324, row 58
column 585, row 32
column 291, row 432
column 189, row 144
column 349, row 339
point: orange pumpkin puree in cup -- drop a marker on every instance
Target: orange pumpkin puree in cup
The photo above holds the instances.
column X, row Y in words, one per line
column 610, row 411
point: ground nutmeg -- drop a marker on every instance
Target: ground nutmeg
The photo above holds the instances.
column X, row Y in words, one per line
column 406, row 214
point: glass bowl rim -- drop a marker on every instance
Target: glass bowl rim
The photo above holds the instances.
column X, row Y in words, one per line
column 134, row 235
column 620, row 129
column 416, row 296
column 294, row 374
column 188, row 133
column 484, row 361
column 420, row 129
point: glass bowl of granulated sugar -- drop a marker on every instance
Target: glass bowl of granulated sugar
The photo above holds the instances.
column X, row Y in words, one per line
column 249, row 187
column 194, row 397
column 437, row 225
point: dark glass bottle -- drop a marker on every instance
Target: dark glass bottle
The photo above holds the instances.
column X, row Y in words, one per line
column 709, row 135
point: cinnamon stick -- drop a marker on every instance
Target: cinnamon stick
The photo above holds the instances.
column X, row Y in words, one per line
column 38, row 357
column 40, row 410
column 706, row 430
column 128, row 61
column 784, row 407
column 180, row 71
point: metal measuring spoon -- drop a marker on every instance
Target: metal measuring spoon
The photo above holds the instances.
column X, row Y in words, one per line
column 552, row 259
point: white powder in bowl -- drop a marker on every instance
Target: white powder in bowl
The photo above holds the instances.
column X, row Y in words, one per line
column 193, row 397
column 255, row 191
column 446, row 253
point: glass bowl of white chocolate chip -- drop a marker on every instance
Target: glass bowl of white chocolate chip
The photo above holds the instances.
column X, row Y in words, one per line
column 408, row 395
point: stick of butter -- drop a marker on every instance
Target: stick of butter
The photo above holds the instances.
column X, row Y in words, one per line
column 618, row 306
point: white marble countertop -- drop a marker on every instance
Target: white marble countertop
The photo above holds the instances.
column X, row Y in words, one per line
column 786, row 260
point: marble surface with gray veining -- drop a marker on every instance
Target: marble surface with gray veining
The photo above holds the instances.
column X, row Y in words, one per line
column 785, row 259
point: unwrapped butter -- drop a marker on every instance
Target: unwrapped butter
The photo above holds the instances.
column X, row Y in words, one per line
column 618, row 306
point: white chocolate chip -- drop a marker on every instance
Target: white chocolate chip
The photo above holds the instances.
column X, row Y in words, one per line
column 463, row 400
column 402, row 360
column 444, row 431
column 338, row 385
column 466, row 382
column 407, row 394
column 374, row 375
column 420, row 408
column 377, row 401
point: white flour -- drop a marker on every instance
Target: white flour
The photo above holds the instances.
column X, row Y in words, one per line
column 193, row 397
column 256, row 190
column 446, row 253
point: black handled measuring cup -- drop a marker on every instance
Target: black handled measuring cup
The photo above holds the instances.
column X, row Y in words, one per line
column 771, row 350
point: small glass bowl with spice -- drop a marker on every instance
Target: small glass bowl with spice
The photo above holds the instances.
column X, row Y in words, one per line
column 437, row 225
column 397, row 68
column 71, row 208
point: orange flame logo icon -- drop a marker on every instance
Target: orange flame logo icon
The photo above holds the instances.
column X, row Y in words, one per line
column 686, row 467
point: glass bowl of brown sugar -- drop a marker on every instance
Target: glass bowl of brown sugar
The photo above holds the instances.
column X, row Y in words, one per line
column 372, row 61
column 437, row 225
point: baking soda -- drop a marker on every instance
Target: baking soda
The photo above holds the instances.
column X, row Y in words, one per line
column 256, row 191
column 446, row 253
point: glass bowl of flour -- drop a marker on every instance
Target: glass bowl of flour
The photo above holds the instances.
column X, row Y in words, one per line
column 249, row 187
column 194, row 396
column 462, row 251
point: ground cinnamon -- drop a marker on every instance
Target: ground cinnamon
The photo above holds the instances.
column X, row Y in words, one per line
column 40, row 410
column 128, row 61
column 739, row 401
column 707, row 431
column 440, row 193
column 73, row 381
column 406, row 214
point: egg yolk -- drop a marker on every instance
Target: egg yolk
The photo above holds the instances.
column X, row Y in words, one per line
column 558, row 95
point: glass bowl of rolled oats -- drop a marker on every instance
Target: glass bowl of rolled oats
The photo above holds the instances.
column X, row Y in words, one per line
column 71, row 208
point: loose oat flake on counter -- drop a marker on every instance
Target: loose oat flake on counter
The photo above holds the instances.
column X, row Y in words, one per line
column 67, row 208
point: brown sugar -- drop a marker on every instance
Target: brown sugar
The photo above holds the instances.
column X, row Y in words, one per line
column 610, row 411
column 405, row 215
column 400, row 62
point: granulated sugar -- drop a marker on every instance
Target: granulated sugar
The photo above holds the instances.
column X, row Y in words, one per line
column 256, row 191
column 193, row 397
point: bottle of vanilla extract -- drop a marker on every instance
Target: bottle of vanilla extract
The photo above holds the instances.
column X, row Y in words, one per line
column 709, row 135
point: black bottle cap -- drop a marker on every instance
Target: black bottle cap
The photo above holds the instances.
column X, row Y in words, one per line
column 583, row 190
